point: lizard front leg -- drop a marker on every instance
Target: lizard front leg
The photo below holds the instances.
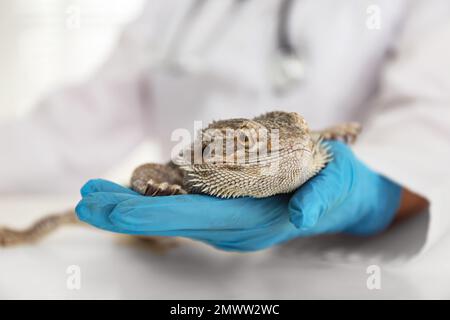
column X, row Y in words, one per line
column 346, row 132
column 152, row 180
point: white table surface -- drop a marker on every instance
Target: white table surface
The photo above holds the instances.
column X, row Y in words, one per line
column 111, row 268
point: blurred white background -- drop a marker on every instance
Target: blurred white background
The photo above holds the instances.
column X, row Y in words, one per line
column 47, row 43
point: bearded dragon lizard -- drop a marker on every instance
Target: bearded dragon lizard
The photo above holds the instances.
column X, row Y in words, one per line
column 296, row 155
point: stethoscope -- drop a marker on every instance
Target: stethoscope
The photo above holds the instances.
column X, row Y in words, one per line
column 287, row 68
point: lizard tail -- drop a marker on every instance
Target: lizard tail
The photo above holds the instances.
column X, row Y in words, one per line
column 38, row 230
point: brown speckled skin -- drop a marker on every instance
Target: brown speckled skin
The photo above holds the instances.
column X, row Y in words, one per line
column 301, row 156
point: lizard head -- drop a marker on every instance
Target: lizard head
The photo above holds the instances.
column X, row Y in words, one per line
column 270, row 154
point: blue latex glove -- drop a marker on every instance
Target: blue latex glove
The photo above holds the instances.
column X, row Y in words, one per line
column 346, row 197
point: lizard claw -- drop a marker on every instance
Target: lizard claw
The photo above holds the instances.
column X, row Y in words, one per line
column 162, row 189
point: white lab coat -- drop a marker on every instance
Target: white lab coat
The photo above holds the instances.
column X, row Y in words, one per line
column 394, row 80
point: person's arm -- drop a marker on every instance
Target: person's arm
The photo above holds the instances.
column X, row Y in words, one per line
column 81, row 130
column 410, row 205
column 407, row 136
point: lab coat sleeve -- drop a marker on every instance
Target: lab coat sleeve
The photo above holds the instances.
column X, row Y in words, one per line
column 80, row 131
column 408, row 135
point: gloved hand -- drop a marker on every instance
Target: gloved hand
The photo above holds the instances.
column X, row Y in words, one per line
column 242, row 224
column 346, row 196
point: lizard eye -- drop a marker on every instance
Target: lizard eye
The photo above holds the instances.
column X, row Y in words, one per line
column 212, row 145
column 247, row 139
